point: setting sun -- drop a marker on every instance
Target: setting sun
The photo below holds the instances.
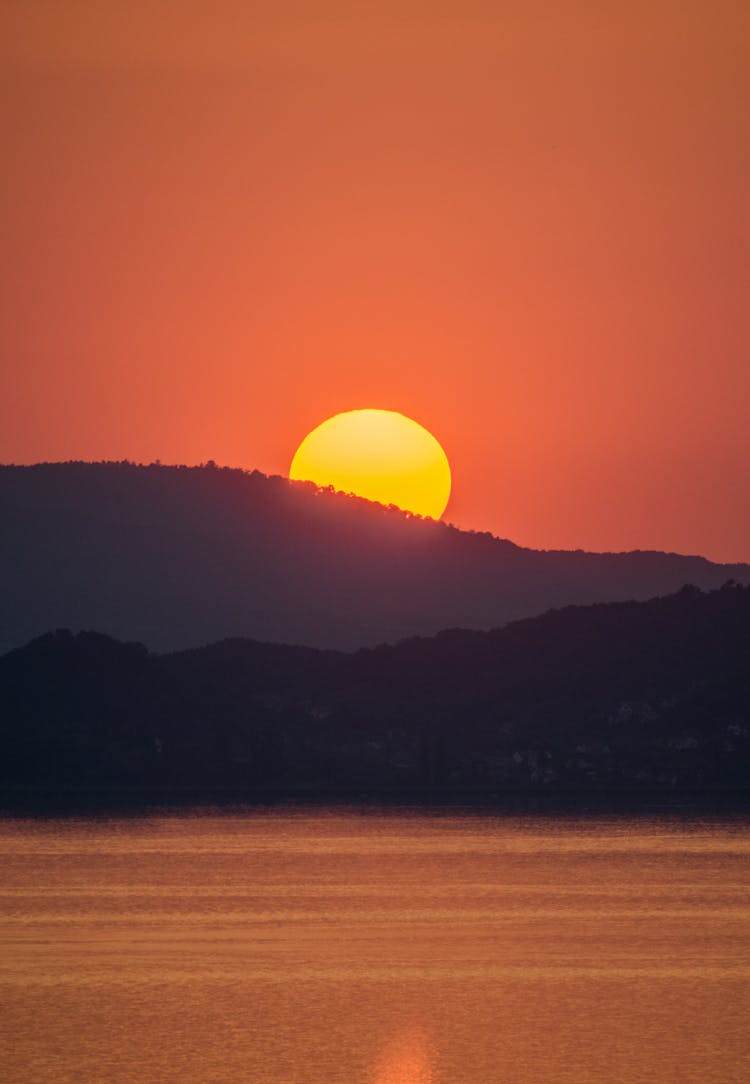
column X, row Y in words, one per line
column 380, row 455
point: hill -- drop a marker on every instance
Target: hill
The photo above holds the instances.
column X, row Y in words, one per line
column 625, row 697
column 176, row 557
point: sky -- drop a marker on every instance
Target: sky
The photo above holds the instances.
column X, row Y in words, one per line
column 523, row 224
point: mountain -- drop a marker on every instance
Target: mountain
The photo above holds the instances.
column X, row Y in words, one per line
column 626, row 697
column 176, row 557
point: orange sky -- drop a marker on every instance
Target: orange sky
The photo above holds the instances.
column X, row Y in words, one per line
column 523, row 224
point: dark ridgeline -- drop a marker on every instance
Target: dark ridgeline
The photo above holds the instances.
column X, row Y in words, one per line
column 175, row 557
column 626, row 698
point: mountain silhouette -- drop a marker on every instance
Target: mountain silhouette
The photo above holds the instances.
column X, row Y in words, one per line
column 621, row 697
column 175, row 557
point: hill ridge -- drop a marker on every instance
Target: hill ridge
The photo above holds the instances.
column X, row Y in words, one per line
column 178, row 556
column 637, row 697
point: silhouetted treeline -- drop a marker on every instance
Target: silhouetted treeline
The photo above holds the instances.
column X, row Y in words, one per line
column 612, row 698
column 175, row 556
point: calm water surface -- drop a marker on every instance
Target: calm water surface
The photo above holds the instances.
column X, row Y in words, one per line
column 303, row 948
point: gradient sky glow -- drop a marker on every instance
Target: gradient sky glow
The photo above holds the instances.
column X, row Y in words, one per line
column 524, row 225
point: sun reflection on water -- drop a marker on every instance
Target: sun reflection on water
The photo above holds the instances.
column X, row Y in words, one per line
column 405, row 1060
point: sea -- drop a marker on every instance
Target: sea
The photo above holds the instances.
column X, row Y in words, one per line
column 362, row 946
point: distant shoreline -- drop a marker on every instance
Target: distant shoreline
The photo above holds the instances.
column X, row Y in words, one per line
column 625, row 704
column 24, row 801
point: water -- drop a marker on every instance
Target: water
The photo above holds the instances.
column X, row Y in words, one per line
column 370, row 948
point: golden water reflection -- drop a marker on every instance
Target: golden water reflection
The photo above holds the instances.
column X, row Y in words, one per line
column 339, row 947
column 405, row 1060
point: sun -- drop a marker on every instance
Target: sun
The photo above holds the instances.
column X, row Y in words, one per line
column 380, row 455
